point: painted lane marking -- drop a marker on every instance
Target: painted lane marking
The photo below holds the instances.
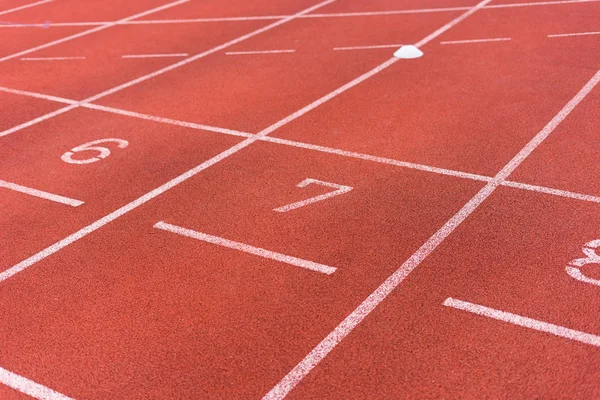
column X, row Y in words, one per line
column 37, row 3
column 155, row 55
column 339, row 189
column 573, row 268
column 41, row 194
column 89, row 31
column 380, row 46
column 48, row 251
column 231, row 53
column 573, row 34
column 408, row 52
column 20, row 25
column 525, row 322
column 51, row 58
column 475, row 41
column 103, row 152
column 246, row 248
column 29, row 387
column 321, row 350
column 322, row 15
column 313, row 147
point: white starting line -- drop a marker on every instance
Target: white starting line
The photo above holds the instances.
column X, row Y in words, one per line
column 526, row 322
column 380, row 46
column 475, row 41
column 298, row 262
column 51, row 58
column 41, row 194
column 29, row 387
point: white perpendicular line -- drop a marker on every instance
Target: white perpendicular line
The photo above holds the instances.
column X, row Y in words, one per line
column 318, row 353
column 51, row 58
column 378, row 46
column 552, row 191
column 475, row 41
column 231, row 53
column 96, row 29
column 41, row 194
column 29, row 387
column 525, row 322
column 246, row 248
column 155, row 55
column 37, row 3
column 573, row 34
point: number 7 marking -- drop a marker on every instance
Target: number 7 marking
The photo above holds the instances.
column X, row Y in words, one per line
column 340, row 189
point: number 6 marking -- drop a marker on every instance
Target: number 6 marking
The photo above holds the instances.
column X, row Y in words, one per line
column 589, row 249
column 103, row 152
column 340, row 189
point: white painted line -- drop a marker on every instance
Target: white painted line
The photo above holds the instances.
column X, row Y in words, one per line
column 323, row 15
column 339, row 189
column 29, row 387
column 37, row 120
column 318, row 353
column 476, row 41
column 257, row 251
column 381, row 46
column 89, row 31
column 573, row 34
column 40, row 193
column 51, row 58
column 37, row 3
column 37, row 95
column 555, row 192
column 153, row 193
column 525, row 322
column 231, row 53
column 155, row 55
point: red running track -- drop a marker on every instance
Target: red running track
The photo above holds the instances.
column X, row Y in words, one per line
column 206, row 199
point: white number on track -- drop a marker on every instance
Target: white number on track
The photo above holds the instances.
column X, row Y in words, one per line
column 573, row 268
column 339, row 189
column 103, row 152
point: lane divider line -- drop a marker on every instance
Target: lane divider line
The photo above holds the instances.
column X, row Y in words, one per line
column 322, row 15
column 231, row 53
column 476, row 41
column 381, row 46
column 573, row 34
column 313, row 147
column 51, row 58
column 89, row 31
column 29, row 387
column 155, row 55
column 322, row 349
column 525, row 322
column 246, row 248
column 37, row 3
column 41, row 194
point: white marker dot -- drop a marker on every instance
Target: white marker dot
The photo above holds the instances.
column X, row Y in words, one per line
column 408, row 51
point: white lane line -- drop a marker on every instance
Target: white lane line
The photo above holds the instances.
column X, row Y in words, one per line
column 555, row 192
column 381, row 46
column 89, row 31
column 313, row 147
column 573, row 34
column 153, row 193
column 475, row 41
column 317, row 354
column 37, row 3
column 51, row 58
column 525, row 322
column 41, row 194
column 155, row 55
column 29, row 387
column 246, row 248
column 323, row 15
column 231, row 53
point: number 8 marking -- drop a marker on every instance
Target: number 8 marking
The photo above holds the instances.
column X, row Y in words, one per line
column 103, row 152
column 589, row 249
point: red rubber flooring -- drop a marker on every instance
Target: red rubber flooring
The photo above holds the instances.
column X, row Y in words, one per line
column 235, row 200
